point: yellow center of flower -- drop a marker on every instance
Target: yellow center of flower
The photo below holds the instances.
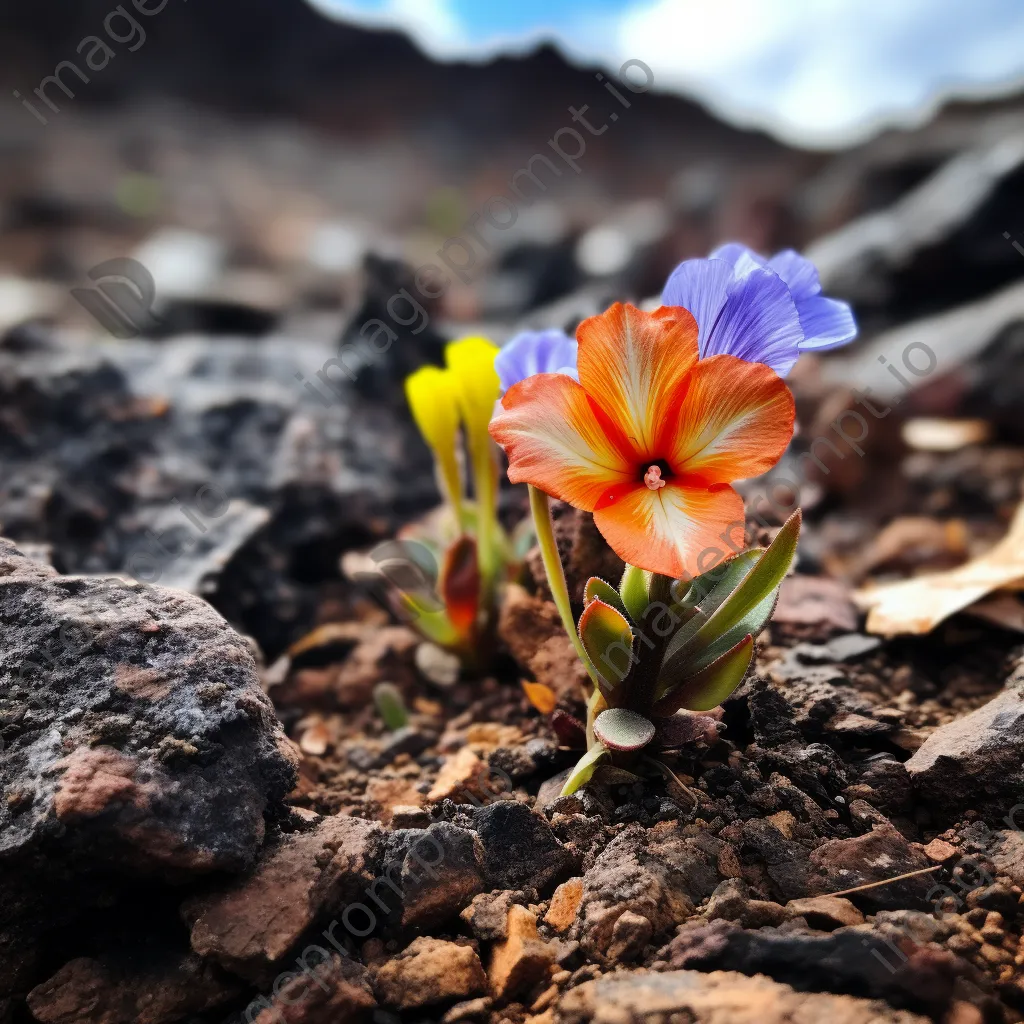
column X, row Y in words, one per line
column 653, row 477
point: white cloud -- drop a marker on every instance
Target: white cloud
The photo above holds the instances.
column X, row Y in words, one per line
column 824, row 72
column 431, row 23
column 814, row 72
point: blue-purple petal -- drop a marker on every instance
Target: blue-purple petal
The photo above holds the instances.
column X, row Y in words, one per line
column 535, row 352
column 702, row 287
column 827, row 323
column 765, row 310
column 738, row 256
column 798, row 272
column 759, row 322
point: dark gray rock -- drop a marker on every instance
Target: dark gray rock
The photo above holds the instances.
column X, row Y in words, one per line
column 126, row 991
column 859, row 961
column 877, row 856
column 209, row 467
column 975, row 762
column 136, row 737
column 520, row 850
column 938, row 245
column 429, row 875
column 250, row 925
column 655, row 880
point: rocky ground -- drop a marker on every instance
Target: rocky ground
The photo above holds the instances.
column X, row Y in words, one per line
column 204, row 819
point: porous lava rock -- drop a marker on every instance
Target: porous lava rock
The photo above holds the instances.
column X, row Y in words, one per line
column 136, row 740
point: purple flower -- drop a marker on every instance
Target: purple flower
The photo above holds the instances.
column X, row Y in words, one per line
column 762, row 310
column 535, row 352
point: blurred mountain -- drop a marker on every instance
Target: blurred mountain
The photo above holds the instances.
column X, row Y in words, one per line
column 281, row 59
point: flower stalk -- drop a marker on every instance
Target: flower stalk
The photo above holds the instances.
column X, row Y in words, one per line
column 540, row 507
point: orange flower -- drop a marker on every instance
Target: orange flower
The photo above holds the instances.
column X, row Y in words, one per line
column 651, row 437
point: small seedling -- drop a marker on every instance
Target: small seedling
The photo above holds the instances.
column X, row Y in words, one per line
column 391, row 706
column 447, row 569
column 658, row 648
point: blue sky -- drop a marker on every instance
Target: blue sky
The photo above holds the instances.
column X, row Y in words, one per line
column 815, row 72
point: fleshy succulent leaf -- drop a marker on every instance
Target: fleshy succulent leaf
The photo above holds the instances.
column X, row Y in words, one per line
column 752, row 623
column 391, row 706
column 762, row 581
column 709, row 592
column 753, row 597
column 707, row 689
column 460, row 584
column 434, row 625
column 571, row 732
column 597, row 589
column 608, row 640
column 622, row 729
column 634, row 591
column 585, row 768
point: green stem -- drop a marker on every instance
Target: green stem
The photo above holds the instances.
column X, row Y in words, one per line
column 486, row 516
column 556, row 574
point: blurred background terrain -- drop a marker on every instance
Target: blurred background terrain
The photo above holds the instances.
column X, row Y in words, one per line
column 278, row 174
column 281, row 175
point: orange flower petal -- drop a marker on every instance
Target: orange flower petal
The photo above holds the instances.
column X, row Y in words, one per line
column 634, row 365
column 735, row 422
column 556, row 439
column 674, row 530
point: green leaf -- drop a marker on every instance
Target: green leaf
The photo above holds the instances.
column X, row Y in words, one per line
column 434, row 625
column 707, row 689
column 597, row 589
column 635, row 592
column 391, row 706
column 758, row 584
column 622, row 729
column 608, row 640
column 751, row 624
column 709, row 592
column 750, row 597
column 585, row 768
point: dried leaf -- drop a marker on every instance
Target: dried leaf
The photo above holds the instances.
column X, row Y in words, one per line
column 1001, row 609
column 918, row 605
column 316, row 739
column 542, row 697
column 944, row 435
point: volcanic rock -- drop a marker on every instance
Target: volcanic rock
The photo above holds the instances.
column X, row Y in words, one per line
column 339, row 990
column 861, row 961
column 432, row 874
column 717, row 998
column 521, row 960
column 253, row 924
column 881, row 854
column 430, row 971
column 520, row 850
column 136, row 737
column 654, row 882
column 87, row 991
column 975, row 762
